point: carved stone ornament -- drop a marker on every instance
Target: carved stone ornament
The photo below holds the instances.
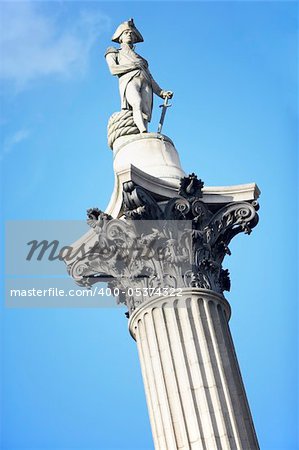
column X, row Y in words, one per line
column 170, row 244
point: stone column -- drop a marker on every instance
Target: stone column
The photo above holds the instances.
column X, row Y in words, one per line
column 194, row 389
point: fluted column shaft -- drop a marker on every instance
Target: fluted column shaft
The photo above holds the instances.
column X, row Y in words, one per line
column 194, row 390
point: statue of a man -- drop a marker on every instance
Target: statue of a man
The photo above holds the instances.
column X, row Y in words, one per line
column 136, row 83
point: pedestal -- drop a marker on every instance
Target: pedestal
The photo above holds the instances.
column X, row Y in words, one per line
column 150, row 152
column 149, row 158
column 194, row 390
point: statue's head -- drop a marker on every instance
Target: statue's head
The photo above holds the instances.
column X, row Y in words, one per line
column 127, row 32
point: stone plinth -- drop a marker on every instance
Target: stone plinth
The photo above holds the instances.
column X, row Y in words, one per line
column 154, row 154
column 150, row 160
column 194, row 390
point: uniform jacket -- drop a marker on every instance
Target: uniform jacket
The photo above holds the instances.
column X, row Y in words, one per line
column 122, row 63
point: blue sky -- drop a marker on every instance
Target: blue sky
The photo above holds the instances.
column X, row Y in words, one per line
column 70, row 377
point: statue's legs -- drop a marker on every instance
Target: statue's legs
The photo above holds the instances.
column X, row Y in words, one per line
column 147, row 100
column 136, row 99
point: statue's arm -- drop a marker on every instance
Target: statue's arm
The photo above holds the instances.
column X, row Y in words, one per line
column 158, row 91
column 114, row 67
column 156, row 88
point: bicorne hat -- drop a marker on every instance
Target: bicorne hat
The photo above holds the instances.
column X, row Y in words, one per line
column 129, row 25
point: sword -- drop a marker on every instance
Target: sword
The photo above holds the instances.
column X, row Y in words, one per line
column 164, row 109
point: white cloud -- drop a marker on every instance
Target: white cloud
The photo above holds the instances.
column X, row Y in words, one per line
column 34, row 43
column 11, row 141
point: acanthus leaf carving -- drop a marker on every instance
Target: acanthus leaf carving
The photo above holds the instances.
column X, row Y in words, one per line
column 155, row 245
